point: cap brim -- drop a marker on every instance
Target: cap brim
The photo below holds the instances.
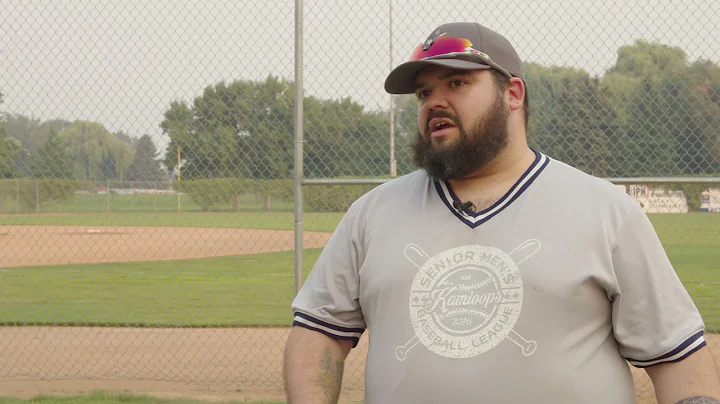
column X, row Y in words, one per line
column 402, row 79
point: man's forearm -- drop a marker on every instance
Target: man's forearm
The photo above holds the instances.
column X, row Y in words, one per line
column 329, row 378
column 693, row 380
column 313, row 367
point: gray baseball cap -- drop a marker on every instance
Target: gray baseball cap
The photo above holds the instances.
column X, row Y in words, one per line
column 458, row 45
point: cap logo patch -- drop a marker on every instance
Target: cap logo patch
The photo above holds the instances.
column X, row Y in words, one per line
column 432, row 38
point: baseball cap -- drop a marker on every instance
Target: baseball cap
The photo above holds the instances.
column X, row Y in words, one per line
column 457, row 45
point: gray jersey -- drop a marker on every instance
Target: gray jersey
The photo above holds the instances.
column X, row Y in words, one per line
column 540, row 298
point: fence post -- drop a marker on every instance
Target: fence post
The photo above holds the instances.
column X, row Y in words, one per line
column 298, row 163
column 393, row 162
column 37, row 196
column 107, row 196
column 178, row 179
column 17, row 195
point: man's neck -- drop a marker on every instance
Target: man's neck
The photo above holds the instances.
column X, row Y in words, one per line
column 487, row 185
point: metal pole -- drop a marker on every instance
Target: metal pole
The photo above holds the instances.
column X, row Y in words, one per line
column 178, row 179
column 393, row 169
column 298, row 171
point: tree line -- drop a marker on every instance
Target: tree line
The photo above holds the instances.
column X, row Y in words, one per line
column 653, row 113
column 79, row 150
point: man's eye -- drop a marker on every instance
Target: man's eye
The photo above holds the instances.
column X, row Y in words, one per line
column 456, row 83
column 423, row 94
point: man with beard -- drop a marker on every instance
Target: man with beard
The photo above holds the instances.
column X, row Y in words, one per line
column 493, row 274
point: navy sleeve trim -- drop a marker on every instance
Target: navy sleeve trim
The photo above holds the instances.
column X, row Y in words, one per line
column 687, row 348
column 331, row 330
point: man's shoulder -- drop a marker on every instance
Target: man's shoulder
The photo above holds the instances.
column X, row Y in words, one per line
column 571, row 178
column 389, row 195
column 573, row 185
column 403, row 185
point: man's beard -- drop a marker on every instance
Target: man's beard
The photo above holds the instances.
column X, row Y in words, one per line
column 471, row 152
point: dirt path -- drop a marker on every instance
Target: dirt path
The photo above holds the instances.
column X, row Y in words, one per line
column 203, row 363
column 54, row 245
column 227, row 363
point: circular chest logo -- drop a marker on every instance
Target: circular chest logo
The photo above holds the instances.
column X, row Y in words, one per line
column 465, row 301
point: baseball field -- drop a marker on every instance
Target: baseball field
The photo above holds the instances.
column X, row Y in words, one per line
column 193, row 304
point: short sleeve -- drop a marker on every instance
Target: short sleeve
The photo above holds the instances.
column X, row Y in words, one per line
column 654, row 318
column 328, row 301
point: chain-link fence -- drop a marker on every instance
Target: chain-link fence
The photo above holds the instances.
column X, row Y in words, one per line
column 146, row 156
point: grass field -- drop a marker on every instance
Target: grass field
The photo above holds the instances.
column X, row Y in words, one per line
column 236, row 290
column 252, row 289
column 110, row 398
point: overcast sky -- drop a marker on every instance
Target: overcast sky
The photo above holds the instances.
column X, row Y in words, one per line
column 121, row 63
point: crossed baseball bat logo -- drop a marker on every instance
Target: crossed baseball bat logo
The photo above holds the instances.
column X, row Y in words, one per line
column 418, row 257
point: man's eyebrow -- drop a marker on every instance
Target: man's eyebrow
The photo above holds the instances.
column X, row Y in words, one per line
column 455, row 72
column 451, row 73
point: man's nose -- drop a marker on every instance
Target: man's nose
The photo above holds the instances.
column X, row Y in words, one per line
column 437, row 100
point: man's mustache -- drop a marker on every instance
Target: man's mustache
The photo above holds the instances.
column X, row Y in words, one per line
column 441, row 114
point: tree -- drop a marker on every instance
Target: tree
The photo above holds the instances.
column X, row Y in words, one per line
column 145, row 165
column 3, row 120
column 406, row 128
column 9, row 149
column 31, row 133
column 573, row 119
column 120, row 156
column 177, row 124
column 697, row 117
column 245, row 129
column 125, row 138
column 95, row 152
column 666, row 110
column 52, row 160
column 343, row 139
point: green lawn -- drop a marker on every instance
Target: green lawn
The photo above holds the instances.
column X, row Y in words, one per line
column 699, row 270
column 253, row 289
column 234, row 290
column 690, row 229
column 109, row 398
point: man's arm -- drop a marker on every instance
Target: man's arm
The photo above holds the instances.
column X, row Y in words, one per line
column 313, row 367
column 693, row 380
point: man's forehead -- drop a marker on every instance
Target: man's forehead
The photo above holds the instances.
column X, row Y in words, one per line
column 438, row 73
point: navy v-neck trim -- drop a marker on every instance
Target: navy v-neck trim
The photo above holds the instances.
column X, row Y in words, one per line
column 450, row 199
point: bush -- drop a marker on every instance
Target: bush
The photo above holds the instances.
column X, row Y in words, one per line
column 332, row 198
column 33, row 194
column 219, row 193
column 214, row 193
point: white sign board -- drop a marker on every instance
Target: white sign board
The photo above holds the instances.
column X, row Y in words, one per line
column 710, row 200
column 658, row 200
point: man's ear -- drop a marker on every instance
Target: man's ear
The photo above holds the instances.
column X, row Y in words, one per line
column 516, row 93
